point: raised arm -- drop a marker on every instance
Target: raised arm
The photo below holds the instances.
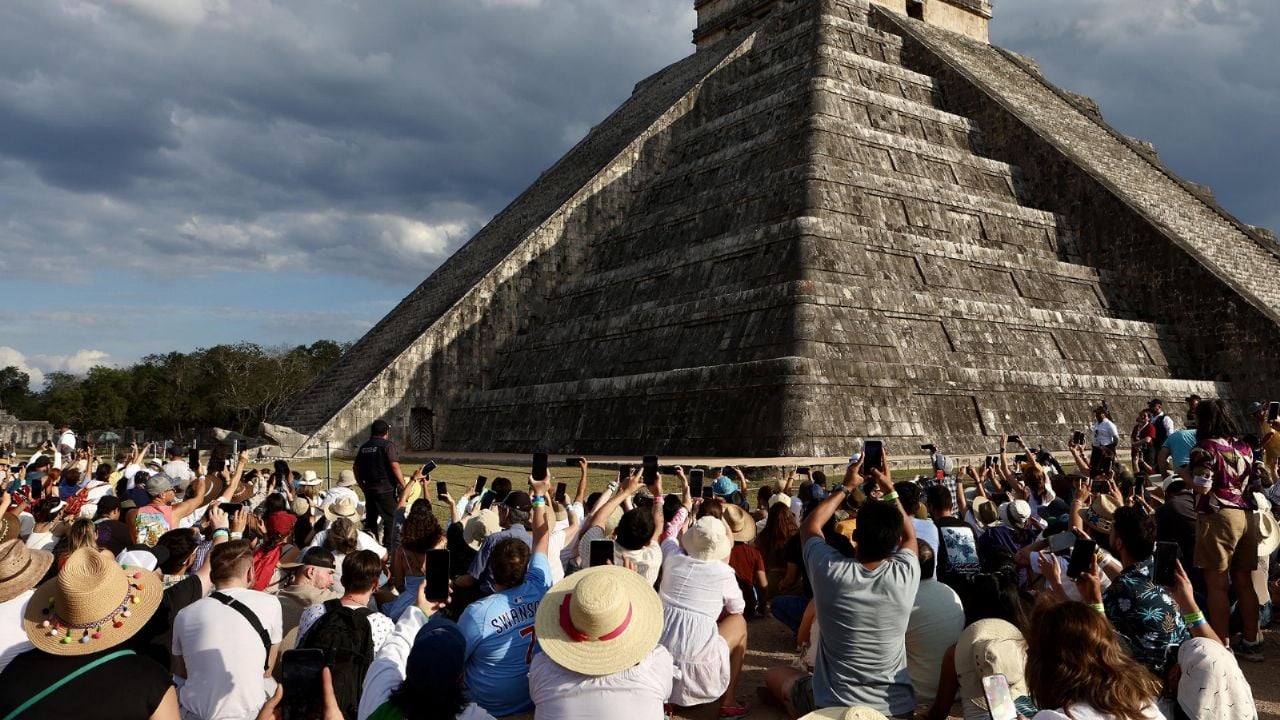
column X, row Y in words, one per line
column 605, row 508
column 580, row 496
column 541, row 528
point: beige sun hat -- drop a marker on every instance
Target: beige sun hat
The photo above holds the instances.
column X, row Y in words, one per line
column 20, row 568
column 344, row 506
column 347, row 478
column 991, row 647
column 93, row 604
column 707, row 539
column 740, row 523
column 480, row 527
column 985, row 512
column 599, row 621
column 309, row 478
column 1268, row 528
column 777, row 498
column 859, row 712
column 1098, row 516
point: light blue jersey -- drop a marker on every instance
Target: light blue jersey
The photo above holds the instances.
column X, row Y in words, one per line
column 501, row 643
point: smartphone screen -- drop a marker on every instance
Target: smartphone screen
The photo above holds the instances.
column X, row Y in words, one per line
column 1165, row 564
column 560, row 490
column 695, row 483
column 601, row 552
column 1273, row 411
column 1104, row 466
column 1013, row 438
column 999, row 699
column 872, row 455
column 230, row 508
column 539, row 471
column 572, row 462
column 442, row 489
column 624, row 472
column 428, row 468
column 708, row 493
column 649, row 467
column 303, row 685
column 1081, row 557
column 193, row 458
column 1077, row 438
column 480, row 482
column 802, row 471
column 437, row 575
column 1062, row 541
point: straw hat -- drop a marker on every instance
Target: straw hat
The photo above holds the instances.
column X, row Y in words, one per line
column 480, row 527
column 1268, row 528
column 707, row 539
column 20, row 568
column 10, row 525
column 860, row 712
column 985, row 512
column 309, row 478
column 93, row 604
column 1100, row 512
column 776, row 498
column 347, row 478
column 991, row 647
column 212, row 489
column 740, row 523
column 599, row 621
column 344, row 506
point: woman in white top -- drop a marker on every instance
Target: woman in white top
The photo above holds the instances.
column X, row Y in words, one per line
column 698, row 586
column 1077, row 670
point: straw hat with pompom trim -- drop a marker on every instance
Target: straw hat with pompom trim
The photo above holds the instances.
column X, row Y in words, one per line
column 93, row 604
column 599, row 621
column 860, row 712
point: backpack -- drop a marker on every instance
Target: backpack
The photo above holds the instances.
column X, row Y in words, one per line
column 344, row 634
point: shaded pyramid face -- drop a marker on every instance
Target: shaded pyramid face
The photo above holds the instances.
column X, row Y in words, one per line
column 836, row 223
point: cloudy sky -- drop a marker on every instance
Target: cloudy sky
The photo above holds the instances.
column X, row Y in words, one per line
column 180, row 173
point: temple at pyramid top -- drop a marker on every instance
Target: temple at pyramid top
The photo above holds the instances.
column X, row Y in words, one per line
column 719, row 18
column 837, row 219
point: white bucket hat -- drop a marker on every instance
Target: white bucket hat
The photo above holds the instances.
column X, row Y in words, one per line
column 707, row 539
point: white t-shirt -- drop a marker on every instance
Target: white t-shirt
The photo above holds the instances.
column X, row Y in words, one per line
column 179, row 470
column 13, row 639
column 67, row 439
column 937, row 619
column 637, row 692
column 380, row 626
column 1085, row 711
column 363, row 542
column 555, row 549
column 224, row 656
column 1105, row 433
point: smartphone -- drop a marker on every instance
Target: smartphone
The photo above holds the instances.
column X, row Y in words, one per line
column 1273, row 411
column 929, row 448
column 442, row 489
column 695, row 483
column 1077, row 438
column 872, row 456
column 560, row 489
column 573, row 461
column 1021, row 458
column 539, row 471
column 649, row 468
column 1013, row 439
column 624, row 472
column 1081, row 557
column 303, row 686
column 480, row 482
column 999, row 699
column 437, row 575
column 802, row 471
column 727, row 471
column 428, row 468
column 193, row 458
column 1165, row 564
column 601, row 552
column 230, row 508
column 990, row 461
column 1100, row 486
column 1104, row 466
column 1062, row 541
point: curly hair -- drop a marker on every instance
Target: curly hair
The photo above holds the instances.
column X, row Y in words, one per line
column 1073, row 657
column 343, row 537
column 421, row 531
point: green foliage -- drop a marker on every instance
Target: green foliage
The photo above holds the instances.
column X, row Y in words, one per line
column 229, row 386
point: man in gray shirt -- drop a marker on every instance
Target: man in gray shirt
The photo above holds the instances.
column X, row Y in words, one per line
column 863, row 605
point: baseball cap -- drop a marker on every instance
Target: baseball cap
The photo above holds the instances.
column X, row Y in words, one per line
column 1256, row 407
column 159, row 484
column 316, row 557
column 518, row 500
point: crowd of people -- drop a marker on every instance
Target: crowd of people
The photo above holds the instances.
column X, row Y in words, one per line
column 142, row 587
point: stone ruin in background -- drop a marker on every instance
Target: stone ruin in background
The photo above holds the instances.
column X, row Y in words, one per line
column 835, row 219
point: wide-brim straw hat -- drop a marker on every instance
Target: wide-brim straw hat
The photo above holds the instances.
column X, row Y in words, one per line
column 599, row 621
column 93, row 604
column 707, row 539
column 10, row 527
column 347, row 478
column 860, row 712
column 480, row 527
column 309, row 478
column 992, row 513
column 742, row 525
column 1098, row 516
column 777, row 498
column 212, row 489
column 343, row 507
column 20, row 568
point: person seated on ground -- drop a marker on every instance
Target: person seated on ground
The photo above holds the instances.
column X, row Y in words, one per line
column 1077, row 669
column 21, row 569
column 307, row 581
column 747, row 562
column 1013, row 532
column 771, row 539
column 991, row 646
column 341, row 509
column 419, row 534
column 499, row 628
column 935, row 623
column 796, row 591
column 514, row 517
column 703, row 627
column 416, row 671
column 1047, row 569
column 80, row 666
column 344, row 487
column 598, row 631
column 635, row 537
column 863, row 607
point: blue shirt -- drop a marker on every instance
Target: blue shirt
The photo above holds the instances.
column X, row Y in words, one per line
column 500, row 642
column 1179, row 445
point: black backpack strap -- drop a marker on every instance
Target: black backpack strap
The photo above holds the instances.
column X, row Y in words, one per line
column 253, row 621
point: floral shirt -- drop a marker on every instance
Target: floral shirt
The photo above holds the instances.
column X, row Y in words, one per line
column 1224, row 465
column 1145, row 615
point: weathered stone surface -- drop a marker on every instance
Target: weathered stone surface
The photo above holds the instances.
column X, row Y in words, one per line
column 24, row 433
column 833, row 223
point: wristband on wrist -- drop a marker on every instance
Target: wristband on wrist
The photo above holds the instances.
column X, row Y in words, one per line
column 1098, row 607
column 890, row 497
column 236, row 535
column 221, row 531
column 1192, row 619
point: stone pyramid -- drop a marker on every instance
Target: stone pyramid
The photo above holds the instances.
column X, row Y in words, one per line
column 836, row 219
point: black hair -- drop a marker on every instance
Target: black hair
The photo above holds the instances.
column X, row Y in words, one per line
column 928, row 562
column 635, row 529
column 1215, row 420
column 670, row 506
column 995, row 596
column 361, row 570
column 1136, row 530
column 819, row 478
column 501, row 488
column 908, row 495
column 592, row 499
column 879, row 530
column 444, row 702
column 379, row 428
column 180, row 544
column 937, row 497
column 274, row 503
